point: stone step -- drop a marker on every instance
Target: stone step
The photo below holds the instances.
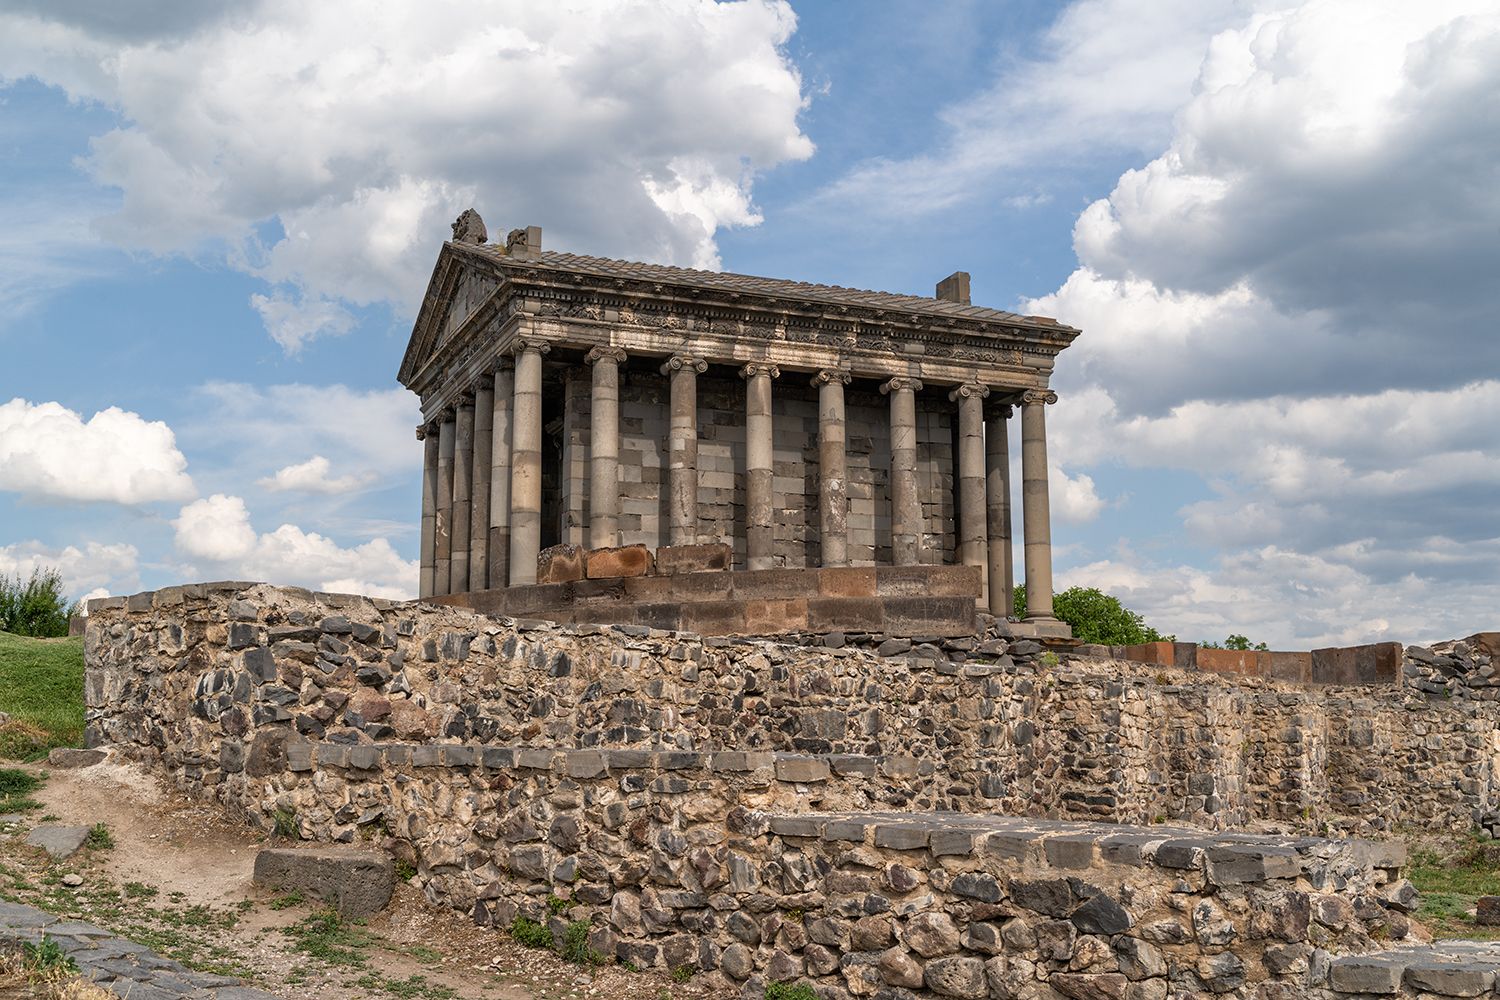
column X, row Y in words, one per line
column 1444, row 968
column 357, row 882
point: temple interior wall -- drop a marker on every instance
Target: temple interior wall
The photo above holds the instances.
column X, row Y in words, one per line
column 721, row 466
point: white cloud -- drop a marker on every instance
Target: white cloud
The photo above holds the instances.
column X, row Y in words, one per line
column 216, row 528
column 1072, row 498
column 632, row 128
column 93, row 570
column 49, row 452
column 217, row 532
column 312, row 476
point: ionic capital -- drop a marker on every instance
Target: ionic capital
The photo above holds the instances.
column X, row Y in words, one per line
column 830, row 375
column 464, row 399
column 615, row 354
column 505, row 363
column 1034, row 397
column 901, row 383
column 421, row 432
column 755, row 368
column 678, row 362
column 999, row 411
column 969, row 390
column 534, row 346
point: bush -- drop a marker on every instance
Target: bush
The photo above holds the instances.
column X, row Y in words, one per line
column 786, row 991
column 1097, row 617
column 530, row 933
column 36, row 608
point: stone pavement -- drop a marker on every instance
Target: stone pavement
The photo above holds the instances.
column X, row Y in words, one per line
column 121, row 966
column 1449, row 968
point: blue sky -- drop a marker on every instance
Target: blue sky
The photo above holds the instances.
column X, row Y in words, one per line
column 1276, row 226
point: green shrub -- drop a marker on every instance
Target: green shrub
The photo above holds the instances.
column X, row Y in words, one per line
column 36, row 607
column 576, row 948
column 47, row 957
column 284, row 824
column 530, row 933
column 100, row 839
column 786, row 991
column 1096, row 617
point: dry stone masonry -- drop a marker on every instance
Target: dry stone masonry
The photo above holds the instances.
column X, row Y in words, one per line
column 956, row 818
column 600, row 403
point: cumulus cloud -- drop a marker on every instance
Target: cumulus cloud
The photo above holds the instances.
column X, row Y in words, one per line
column 49, row 452
column 313, row 476
column 1293, row 302
column 217, row 532
column 92, row 570
column 631, row 128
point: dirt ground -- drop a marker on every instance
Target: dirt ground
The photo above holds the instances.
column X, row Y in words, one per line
column 178, row 879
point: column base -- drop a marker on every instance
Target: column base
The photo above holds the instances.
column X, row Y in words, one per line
column 1043, row 628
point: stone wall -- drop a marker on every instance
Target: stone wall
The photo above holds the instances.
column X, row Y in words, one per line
column 721, row 466
column 757, row 810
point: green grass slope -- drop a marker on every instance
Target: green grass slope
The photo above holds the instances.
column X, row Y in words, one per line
column 41, row 689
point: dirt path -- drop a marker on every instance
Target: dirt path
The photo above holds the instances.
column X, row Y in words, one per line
column 178, row 879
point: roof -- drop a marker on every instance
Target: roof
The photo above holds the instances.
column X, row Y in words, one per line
column 723, row 281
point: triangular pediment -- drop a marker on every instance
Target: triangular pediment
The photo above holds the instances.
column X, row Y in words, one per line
column 456, row 290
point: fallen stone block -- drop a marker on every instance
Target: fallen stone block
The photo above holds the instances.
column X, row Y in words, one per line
column 356, row 882
column 626, row 560
column 1487, row 911
column 559, row 564
column 58, row 841
column 712, row 557
column 72, row 757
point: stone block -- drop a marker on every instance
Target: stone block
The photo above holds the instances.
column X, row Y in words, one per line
column 1161, row 654
column 1365, row 974
column 712, row 617
column 702, row 587
column 1487, row 911
column 846, row 614
column 1334, row 665
column 65, row 758
column 772, row 584
column 621, row 561
column 1239, row 662
column 710, row 557
column 1291, row 667
column 927, row 581
column 802, row 770
column 846, row 581
column 929, row 616
column 772, row 617
column 358, row 883
column 58, row 841
column 591, row 593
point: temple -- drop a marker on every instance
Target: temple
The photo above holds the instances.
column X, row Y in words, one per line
column 596, row 404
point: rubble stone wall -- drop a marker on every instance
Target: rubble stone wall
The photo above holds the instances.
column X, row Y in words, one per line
column 760, row 811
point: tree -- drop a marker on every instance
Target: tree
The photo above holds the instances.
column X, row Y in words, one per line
column 1097, row 617
column 1237, row 641
column 36, row 607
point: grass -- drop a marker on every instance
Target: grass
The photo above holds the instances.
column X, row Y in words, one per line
column 327, row 938
column 41, row 689
column 16, row 787
column 787, row 991
column 100, row 839
column 1452, row 881
column 530, row 933
column 43, row 973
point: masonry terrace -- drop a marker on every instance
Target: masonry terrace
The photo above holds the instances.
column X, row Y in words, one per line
column 595, row 403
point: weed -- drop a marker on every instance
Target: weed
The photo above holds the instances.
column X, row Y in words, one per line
column 786, row 991
column 405, row 870
column 682, row 974
column 139, row 890
column 575, row 947
column 557, row 906
column 630, row 966
column 16, row 787
column 284, row 824
column 47, row 957
column 412, row 988
column 99, row 838
column 1049, row 659
column 286, row 902
column 327, row 938
column 530, row 933
column 795, row 913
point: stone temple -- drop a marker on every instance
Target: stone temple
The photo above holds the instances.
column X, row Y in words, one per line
column 685, row 420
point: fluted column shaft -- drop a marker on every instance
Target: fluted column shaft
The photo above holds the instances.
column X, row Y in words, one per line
column 833, row 468
column 972, row 515
column 906, row 502
column 604, row 447
column 442, row 562
column 682, row 448
column 760, row 542
column 526, row 463
column 500, row 431
column 1035, row 507
column 429, row 439
column 1002, row 577
column 463, row 485
column 479, row 494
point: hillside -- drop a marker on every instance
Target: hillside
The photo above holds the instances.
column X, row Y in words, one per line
column 41, row 689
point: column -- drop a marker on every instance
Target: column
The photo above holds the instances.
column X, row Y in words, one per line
column 971, row 506
column 499, row 529
column 1036, row 517
column 760, row 534
column 526, row 463
column 906, row 501
column 442, row 532
column 1002, row 574
column 479, row 491
column 833, row 468
column 604, row 447
column 429, row 439
column 682, row 447
column 463, row 485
